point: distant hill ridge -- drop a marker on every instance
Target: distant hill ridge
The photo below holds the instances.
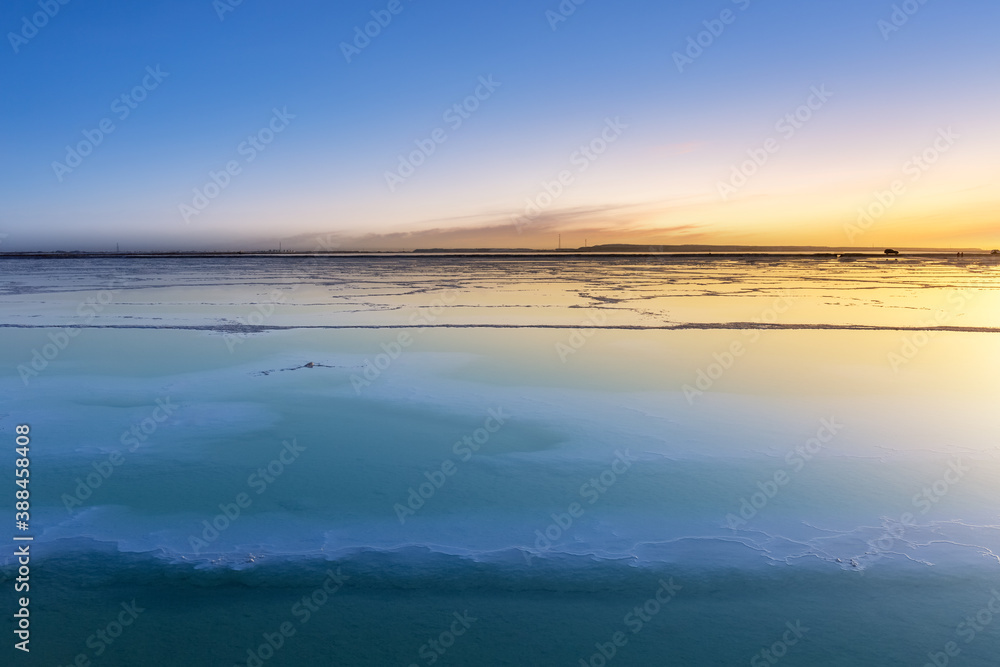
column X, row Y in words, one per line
column 635, row 247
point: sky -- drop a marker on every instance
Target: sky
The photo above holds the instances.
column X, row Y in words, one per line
column 392, row 125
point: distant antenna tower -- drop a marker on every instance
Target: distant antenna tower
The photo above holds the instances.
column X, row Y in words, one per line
column 560, row 242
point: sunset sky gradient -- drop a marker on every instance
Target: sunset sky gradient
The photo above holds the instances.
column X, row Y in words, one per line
column 889, row 95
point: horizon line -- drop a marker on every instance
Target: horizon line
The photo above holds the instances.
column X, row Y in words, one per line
column 607, row 248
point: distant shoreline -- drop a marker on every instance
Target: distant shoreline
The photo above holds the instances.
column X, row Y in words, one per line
column 534, row 254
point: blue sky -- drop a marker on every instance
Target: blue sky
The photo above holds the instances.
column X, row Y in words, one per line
column 324, row 173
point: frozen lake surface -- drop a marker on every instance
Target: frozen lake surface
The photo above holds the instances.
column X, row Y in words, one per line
column 540, row 444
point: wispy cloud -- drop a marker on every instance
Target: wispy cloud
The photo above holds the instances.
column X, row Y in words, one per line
column 577, row 226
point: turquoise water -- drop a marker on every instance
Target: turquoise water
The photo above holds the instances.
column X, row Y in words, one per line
column 510, row 502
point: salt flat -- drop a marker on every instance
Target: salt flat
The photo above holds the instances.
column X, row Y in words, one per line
column 539, row 442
